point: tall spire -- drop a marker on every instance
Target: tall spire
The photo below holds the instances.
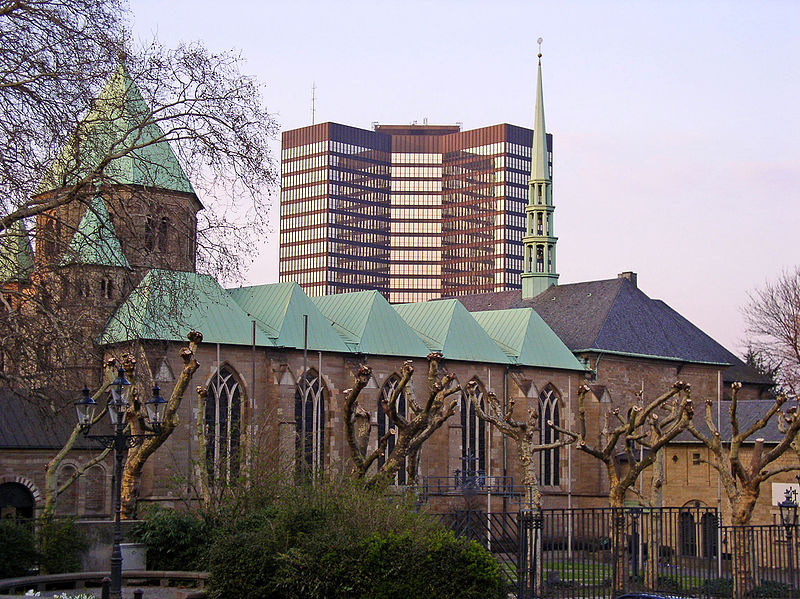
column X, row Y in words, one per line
column 539, row 261
column 540, row 169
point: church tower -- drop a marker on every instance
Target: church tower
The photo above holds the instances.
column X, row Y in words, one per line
column 539, row 264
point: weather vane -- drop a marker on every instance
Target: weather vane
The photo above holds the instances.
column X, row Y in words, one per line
column 539, row 41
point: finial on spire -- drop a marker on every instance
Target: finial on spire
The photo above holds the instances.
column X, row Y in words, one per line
column 539, row 41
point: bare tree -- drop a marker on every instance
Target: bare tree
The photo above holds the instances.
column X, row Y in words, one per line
column 641, row 425
column 411, row 431
column 773, row 321
column 137, row 457
column 742, row 473
column 524, row 433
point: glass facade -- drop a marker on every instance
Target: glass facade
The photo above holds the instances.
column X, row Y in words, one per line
column 415, row 211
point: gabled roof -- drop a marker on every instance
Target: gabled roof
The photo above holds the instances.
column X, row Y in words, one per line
column 120, row 121
column 280, row 308
column 370, row 325
column 446, row 326
column 523, row 336
column 614, row 315
column 95, row 241
column 166, row 305
column 16, row 255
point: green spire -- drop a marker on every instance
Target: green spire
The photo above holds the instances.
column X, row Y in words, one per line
column 540, row 170
column 16, row 255
column 95, row 242
column 539, row 243
column 119, row 121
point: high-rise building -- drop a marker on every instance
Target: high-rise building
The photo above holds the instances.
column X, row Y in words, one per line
column 416, row 212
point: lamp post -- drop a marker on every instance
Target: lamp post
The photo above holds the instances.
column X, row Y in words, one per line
column 635, row 545
column 120, row 442
column 788, row 509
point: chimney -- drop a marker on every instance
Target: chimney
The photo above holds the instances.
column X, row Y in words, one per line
column 630, row 275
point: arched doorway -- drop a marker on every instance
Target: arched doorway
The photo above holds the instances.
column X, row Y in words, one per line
column 16, row 501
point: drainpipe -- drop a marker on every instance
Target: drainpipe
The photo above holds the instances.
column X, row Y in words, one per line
column 505, row 439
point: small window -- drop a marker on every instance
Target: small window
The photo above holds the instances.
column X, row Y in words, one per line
column 695, row 459
column 163, row 234
column 106, row 288
column 149, row 233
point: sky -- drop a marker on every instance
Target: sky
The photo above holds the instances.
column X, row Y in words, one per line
column 676, row 124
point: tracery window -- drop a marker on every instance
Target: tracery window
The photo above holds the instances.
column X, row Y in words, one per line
column 309, row 413
column 385, row 424
column 549, row 466
column 223, row 426
column 473, row 434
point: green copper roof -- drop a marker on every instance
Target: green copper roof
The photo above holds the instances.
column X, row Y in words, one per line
column 370, row 325
column 539, row 167
column 280, row 307
column 95, row 241
column 16, row 255
column 166, row 305
column 119, row 122
column 447, row 327
column 526, row 338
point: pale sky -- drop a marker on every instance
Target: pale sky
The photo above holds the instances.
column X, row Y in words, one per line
column 676, row 125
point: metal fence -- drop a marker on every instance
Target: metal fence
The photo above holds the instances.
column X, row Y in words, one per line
column 595, row 553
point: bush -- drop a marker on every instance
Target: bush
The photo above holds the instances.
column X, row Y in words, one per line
column 18, row 553
column 718, row 587
column 338, row 540
column 61, row 544
column 175, row 540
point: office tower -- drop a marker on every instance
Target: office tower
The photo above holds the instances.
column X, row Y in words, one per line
column 414, row 211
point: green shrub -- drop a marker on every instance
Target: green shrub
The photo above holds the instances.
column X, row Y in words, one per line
column 18, row 548
column 338, row 540
column 718, row 587
column 175, row 540
column 61, row 544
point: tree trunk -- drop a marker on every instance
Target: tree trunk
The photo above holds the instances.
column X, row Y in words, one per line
column 745, row 566
column 618, row 539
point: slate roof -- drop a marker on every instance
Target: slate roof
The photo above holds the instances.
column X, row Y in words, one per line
column 95, row 241
column 369, row 324
column 166, row 305
column 23, row 425
column 615, row 316
column 119, row 120
column 748, row 412
column 16, row 254
column 445, row 326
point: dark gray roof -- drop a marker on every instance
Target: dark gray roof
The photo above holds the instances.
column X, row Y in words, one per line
column 747, row 412
column 614, row 315
column 26, row 425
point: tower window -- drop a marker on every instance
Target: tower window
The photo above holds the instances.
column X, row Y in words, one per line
column 106, row 288
column 149, row 234
column 163, row 237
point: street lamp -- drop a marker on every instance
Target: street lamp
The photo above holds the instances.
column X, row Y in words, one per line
column 788, row 509
column 120, row 442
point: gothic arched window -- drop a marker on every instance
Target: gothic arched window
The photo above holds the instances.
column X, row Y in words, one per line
column 549, row 458
column 384, row 424
column 473, row 434
column 309, row 414
column 223, row 426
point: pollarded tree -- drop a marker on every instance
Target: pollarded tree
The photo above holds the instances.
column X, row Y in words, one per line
column 743, row 472
column 641, row 425
column 411, row 431
column 524, row 433
column 137, row 456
